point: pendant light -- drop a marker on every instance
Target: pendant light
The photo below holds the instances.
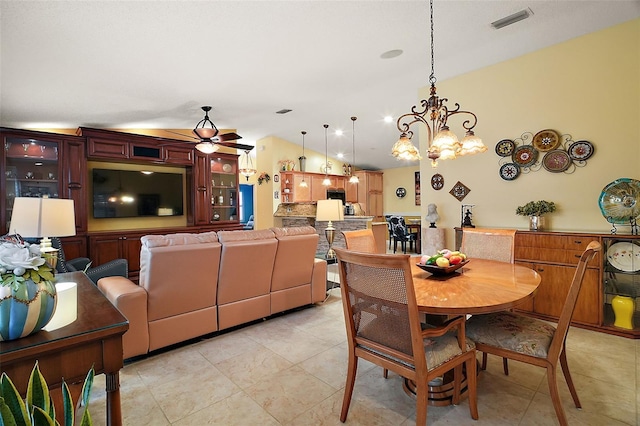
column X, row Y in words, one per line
column 353, row 178
column 303, row 184
column 326, row 181
column 442, row 143
column 246, row 165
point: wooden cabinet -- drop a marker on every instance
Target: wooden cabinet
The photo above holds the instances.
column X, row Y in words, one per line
column 621, row 281
column 370, row 193
column 351, row 191
column 554, row 257
column 290, row 189
column 105, row 247
column 224, row 188
column 38, row 164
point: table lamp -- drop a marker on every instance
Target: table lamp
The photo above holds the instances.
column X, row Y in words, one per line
column 41, row 218
column 327, row 211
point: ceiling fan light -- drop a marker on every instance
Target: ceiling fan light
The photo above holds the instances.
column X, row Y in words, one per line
column 207, row 147
column 472, row 144
column 205, row 132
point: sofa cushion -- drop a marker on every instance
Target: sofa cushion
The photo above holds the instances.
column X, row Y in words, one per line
column 229, row 236
column 150, row 241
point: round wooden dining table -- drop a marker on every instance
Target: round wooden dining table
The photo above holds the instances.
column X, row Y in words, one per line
column 480, row 286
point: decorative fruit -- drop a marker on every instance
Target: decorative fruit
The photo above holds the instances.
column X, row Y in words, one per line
column 455, row 259
column 432, row 259
column 424, row 259
column 442, row 262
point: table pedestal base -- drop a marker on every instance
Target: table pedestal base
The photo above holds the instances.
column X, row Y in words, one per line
column 440, row 395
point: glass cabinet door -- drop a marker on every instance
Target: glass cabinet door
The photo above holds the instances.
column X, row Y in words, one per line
column 31, row 170
column 621, row 276
column 224, row 189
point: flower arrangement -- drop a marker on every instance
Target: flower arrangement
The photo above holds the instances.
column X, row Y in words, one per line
column 286, row 165
column 20, row 261
column 536, row 208
column 264, row 177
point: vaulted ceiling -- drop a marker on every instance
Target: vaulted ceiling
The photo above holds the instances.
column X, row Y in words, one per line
column 153, row 64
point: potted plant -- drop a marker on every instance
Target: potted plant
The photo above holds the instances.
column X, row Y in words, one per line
column 535, row 210
column 38, row 408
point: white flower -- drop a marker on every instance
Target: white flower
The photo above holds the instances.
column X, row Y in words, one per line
column 14, row 255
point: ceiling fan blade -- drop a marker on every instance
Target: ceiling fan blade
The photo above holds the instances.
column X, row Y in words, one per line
column 236, row 145
column 228, row 137
column 182, row 134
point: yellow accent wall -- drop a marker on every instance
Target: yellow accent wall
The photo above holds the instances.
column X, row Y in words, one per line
column 588, row 87
column 400, row 177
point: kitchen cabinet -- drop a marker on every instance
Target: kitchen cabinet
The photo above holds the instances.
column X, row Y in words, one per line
column 370, row 193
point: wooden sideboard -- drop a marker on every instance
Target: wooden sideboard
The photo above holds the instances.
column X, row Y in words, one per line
column 554, row 256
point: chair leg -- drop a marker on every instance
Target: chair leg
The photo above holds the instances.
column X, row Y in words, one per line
column 385, row 373
column 472, row 386
column 505, row 366
column 348, row 388
column 484, row 361
column 395, row 245
column 421, row 404
column 457, row 384
column 567, row 376
column 555, row 395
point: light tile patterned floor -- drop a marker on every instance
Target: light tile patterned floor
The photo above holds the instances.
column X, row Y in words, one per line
column 290, row 370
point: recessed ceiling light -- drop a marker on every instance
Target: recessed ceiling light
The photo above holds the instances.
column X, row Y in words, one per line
column 388, row 119
column 391, row 54
column 338, row 132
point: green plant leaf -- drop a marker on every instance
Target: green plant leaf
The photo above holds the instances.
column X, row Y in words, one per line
column 86, row 387
column 37, row 390
column 41, row 418
column 86, row 419
column 11, row 398
column 68, row 408
column 6, row 417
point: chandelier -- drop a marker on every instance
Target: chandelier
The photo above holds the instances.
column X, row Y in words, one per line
column 434, row 114
column 246, row 165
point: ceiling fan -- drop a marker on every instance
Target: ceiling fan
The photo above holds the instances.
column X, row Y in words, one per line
column 207, row 135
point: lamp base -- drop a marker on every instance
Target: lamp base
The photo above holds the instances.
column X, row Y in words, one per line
column 330, row 233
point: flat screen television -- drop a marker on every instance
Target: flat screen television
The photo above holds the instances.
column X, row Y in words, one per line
column 130, row 193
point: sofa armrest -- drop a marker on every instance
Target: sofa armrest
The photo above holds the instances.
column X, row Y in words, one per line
column 131, row 301
column 319, row 281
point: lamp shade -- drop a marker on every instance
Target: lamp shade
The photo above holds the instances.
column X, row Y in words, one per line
column 329, row 210
column 43, row 217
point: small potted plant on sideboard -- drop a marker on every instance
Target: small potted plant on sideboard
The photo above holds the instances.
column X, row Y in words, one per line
column 535, row 210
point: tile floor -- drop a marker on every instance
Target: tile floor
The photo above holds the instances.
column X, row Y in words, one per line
column 290, row 370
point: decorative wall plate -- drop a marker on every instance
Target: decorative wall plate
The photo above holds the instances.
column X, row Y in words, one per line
column 546, row 140
column 624, row 256
column 556, row 161
column 459, row 191
column 226, row 167
column 620, row 200
column 401, row 192
column 580, row 150
column 525, row 156
column 505, row 147
column 509, row 171
column 437, row 181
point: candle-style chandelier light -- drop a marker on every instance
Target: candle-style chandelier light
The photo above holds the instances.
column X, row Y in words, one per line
column 443, row 144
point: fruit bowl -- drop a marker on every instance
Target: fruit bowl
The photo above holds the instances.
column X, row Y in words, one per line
column 440, row 270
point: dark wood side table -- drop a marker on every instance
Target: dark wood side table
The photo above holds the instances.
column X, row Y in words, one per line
column 94, row 339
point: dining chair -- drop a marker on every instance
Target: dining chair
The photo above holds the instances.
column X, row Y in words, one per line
column 486, row 243
column 526, row 339
column 361, row 240
column 383, row 327
column 387, row 219
column 400, row 233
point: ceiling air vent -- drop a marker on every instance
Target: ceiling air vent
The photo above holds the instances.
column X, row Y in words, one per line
column 512, row 19
column 283, row 111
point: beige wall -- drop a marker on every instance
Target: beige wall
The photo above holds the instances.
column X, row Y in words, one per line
column 588, row 87
column 400, row 177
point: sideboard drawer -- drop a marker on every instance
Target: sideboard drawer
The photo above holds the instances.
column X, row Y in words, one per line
column 565, row 249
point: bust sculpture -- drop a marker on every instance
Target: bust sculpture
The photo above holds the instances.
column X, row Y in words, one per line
column 432, row 215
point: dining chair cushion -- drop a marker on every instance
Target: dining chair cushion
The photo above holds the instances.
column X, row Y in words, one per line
column 438, row 350
column 511, row 331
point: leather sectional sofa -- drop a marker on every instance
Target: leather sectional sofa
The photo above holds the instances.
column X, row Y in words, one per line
column 194, row 284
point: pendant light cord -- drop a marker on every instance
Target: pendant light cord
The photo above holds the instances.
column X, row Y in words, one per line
column 432, row 77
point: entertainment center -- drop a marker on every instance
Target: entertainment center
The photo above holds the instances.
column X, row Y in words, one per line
column 124, row 186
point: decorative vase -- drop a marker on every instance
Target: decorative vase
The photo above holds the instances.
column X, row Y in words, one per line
column 536, row 223
column 623, row 309
column 27, row 309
